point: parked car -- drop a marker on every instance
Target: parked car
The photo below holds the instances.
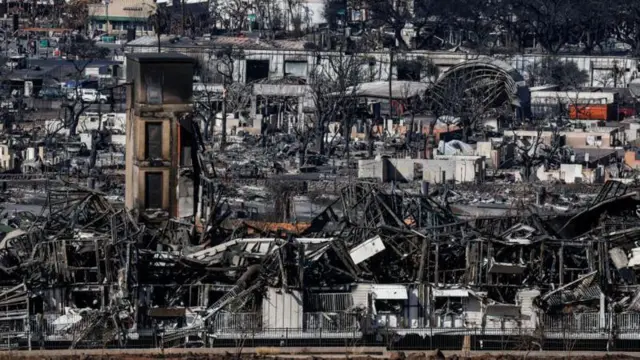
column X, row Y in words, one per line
column 71, row 93
column 93, row 95
column 13, row 106
column 87, row 95
column 50, row 93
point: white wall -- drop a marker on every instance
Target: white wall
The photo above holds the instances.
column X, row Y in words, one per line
column 570, row 173
column 597, row 78
column 282, row 309
column 459, row 169
column 433, row 171
column 528, row 312
column 631, row 133
column 120, row 139
column 360, row 294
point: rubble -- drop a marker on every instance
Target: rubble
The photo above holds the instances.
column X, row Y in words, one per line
column 250, row 215
column 86, row 272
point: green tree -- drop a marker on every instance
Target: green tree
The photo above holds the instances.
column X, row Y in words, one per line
column 552, row 71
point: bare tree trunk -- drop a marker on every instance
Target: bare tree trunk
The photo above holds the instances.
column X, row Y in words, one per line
column 183, row 18
column 73, row 127
column 320, row 133
column 302, row 154
column 347, row 136
column 369, row 134
column 94, row 143
column 409, row 136
column 429, row 141
column 223, row 141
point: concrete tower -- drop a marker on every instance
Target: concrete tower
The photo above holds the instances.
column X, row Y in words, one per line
column 158, row 98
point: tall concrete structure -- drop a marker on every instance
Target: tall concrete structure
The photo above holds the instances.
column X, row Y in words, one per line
column 158, row 100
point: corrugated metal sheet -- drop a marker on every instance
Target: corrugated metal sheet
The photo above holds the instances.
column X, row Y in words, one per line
column 338, row 321
column 282, row 309
column 505, row 268
column 578, row 295
column 525, row 299
column 233, row 322
column 367, row 249
column 500, row 310
column 360, row 295
column 450, row 293
column 390, row 292
column 328, row 302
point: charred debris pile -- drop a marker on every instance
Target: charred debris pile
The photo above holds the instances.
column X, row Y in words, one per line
column 84, row 270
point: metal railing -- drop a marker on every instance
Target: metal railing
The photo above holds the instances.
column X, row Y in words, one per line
column 586, row 331
column 330, row 321
column 61, row 331
column 224, row 322
column 587, row 322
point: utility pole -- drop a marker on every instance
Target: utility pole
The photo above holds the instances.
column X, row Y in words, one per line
column 106, row 3
column 94, row 135
column 390, row 81
column 183, row 22
column 223, row 140
column 34, row 12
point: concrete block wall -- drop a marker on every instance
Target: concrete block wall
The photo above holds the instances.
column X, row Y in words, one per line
column 434, row 171
column 467, row 169
column 570, row 173
column 402, row 169
column 372, row 169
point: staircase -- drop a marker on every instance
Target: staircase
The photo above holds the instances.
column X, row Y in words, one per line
column 236, row 292
column 84, row 328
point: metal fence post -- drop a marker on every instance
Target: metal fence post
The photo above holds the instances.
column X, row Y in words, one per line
column 475, row 339
column 29, row 332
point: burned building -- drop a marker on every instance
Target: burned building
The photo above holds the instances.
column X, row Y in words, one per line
column 374, row 263
column 158, row 142
column 181, row 264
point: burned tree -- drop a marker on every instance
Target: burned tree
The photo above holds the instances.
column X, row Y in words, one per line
column 533, row 152
column 270, row 17
column 219, row 92
column 207, row 97
column 161, row 22
column 627, row 23
column 80, row 53
column 455, row 99
column 225, row 67
column 399, row 15
column 553, row 22
column 207, row 103
column 237, row 12
column 334, row 83
column 76, row 14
